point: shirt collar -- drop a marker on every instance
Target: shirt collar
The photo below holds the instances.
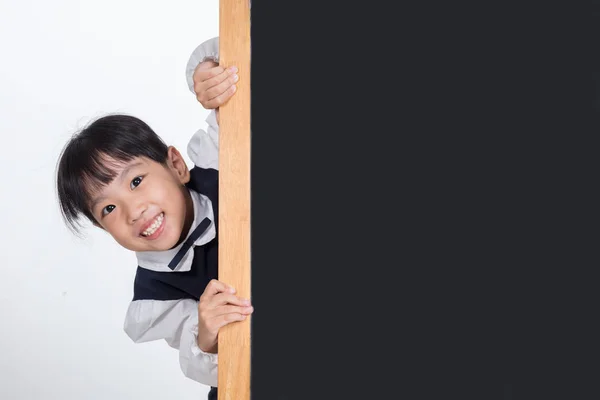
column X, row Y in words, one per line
column 159, row 260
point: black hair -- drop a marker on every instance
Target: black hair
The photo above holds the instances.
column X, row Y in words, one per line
column 90, row 158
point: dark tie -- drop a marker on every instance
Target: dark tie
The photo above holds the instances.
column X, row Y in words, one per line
column 200, row 229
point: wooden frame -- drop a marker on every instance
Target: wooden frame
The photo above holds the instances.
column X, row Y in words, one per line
column 234, row 197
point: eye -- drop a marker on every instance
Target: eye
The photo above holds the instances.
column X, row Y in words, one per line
column 107, row 210
column 135, row 182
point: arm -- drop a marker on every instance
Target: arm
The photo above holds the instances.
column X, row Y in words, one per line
column 212, row 84
column 206, row 51
column 190, row 326
column 203, row 147
column 175, row 321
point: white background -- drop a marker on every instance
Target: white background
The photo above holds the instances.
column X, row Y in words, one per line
column 63, row 298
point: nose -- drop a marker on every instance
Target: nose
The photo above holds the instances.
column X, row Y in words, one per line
column 135, row 210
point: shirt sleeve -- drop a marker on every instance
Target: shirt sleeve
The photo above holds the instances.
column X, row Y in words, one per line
column 203, row 147
column 208, row 50
column 175, row 321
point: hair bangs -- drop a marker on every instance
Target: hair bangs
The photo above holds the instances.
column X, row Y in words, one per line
column 93, row 158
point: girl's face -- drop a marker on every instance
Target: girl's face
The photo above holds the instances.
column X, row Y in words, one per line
column 146, row 207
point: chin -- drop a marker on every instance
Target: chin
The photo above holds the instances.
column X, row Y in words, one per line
column 170, row 238
column 167, row 243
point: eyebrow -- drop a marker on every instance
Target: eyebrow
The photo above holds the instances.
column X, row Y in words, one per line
column 120, row 177
column 128, row 168
column 96, row 201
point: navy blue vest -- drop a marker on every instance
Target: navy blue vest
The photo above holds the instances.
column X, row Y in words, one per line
column 153, row 285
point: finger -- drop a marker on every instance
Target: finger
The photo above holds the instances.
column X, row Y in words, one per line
column 220, row 88
column 228, row 309
column 204, row 80
column 221, row 99
column 212, row 320
column 222, row 299
column 215, row 78
column 214, row 287
column 226, row 319
column 201, row 75
column 202, row 86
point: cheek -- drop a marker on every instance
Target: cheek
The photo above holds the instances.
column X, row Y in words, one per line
column 119, row 233
column 177, row 206
column 173, row 199
column 116, row 228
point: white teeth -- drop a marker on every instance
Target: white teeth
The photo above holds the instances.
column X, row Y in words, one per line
column 155, row 225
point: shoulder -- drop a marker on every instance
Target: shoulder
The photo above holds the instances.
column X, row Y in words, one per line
column 204, row 180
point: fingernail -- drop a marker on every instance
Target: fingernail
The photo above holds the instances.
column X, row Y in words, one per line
column 235, row 78
column 233, row 69
column 246, row 301
column 232, row 290
column 234, row 88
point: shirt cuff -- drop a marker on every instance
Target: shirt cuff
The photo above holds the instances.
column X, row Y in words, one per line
column 210, row 57
column 197, row 351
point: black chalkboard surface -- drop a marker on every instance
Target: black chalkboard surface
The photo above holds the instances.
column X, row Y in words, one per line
column 406, row 206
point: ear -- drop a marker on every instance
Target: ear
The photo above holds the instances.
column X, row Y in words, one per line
column 177, row 165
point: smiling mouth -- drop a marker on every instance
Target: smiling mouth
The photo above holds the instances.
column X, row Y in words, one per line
column 154, row 227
